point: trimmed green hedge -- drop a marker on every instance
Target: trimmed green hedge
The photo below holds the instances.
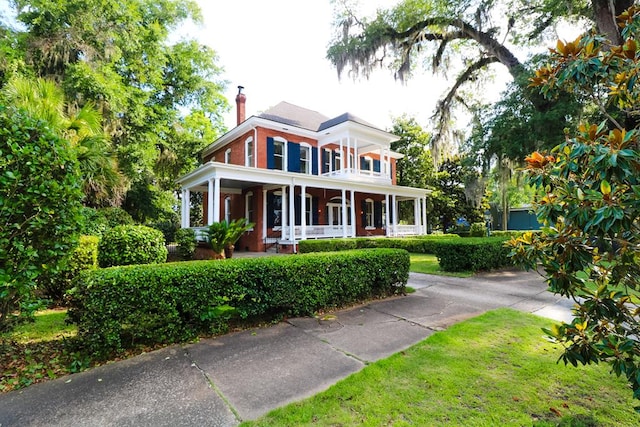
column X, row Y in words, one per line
column 118, row 307
column 423, row 244
column 473, row 254
column 131, row 244
column 83, row 257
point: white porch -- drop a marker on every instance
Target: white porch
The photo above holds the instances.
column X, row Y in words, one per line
column 216, row 179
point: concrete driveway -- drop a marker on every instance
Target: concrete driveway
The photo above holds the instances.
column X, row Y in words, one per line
column 241, row 376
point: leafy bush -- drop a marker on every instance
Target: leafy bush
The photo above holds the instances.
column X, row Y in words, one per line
column 84, row 257
column 93, row 223
column 478, row 229
column 131, row 244
column 96, row 222
column 121, row 306
column 39, row 209
column 186, row 240
column 168, row 225
column 512, row 233
column 473, row 254
column 115, row 216
column 421, row 244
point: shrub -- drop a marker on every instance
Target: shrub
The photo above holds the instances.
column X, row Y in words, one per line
column 121, row 306
column 131, row 244
column 473, row 254
column 478, row 229
column 186, row 240
column 93, row 223
column 115, row 216
column 419, row 244
column 84, row 257
column 39, row 209
column 168, row 224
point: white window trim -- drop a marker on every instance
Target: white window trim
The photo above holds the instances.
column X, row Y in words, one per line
column 227, row 209
column 249, row 155
column 370, row 160
column 369, row 225
column 285, row 163
column 337, row 159
column 246, row 207
column 305, row 146
column 227, row 156
column 309, row 207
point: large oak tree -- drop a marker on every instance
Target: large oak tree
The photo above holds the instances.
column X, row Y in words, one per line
column 473, row 33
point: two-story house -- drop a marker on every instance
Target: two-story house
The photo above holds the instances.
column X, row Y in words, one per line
column 298, row 174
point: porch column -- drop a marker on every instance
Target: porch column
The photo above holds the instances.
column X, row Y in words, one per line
column 395, row 215
column 416, row 215
column 356, row 156
column 303, row 212
column 264, row 214
column 216, row 199
column 344, row 213
column 186, row 208
column 349, row 155
column 424, row 215
column 292, row 213
column 353, row 214
column 387, row 224
column 210, row 202
column 283, row 207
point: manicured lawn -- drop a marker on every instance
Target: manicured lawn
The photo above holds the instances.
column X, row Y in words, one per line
column 426, row 263
column 493, row 370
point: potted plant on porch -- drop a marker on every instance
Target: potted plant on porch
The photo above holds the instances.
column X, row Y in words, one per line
column 223, row 235
column 235, row 230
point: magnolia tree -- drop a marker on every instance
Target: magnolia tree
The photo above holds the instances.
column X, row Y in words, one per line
column 590, row 202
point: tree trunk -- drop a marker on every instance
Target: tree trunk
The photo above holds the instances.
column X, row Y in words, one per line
column 605, row 12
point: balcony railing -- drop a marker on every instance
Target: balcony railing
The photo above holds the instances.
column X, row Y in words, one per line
column 359, row 175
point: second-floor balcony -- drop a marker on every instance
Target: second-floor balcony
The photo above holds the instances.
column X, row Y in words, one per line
column 360, row 175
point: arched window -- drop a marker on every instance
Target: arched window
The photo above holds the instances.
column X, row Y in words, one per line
column 227, row 156
column 248, row 152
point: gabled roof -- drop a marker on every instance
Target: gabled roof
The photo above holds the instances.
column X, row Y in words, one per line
column 345, row 117
column 308, row 123
column 294, row 115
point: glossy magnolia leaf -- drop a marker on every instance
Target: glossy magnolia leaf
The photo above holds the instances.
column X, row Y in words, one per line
column 605, row 187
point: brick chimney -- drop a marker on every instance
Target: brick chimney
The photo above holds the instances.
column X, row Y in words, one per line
column 240, row 102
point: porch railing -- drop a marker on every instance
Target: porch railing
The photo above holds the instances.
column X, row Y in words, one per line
column 316, row 231
column 407, row 230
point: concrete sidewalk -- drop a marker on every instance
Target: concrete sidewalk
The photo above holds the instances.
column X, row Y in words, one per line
column 241, row 376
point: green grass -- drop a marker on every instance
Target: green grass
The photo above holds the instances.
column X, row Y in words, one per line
column 49, row 325
column 492, row 370
column 428, row 264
